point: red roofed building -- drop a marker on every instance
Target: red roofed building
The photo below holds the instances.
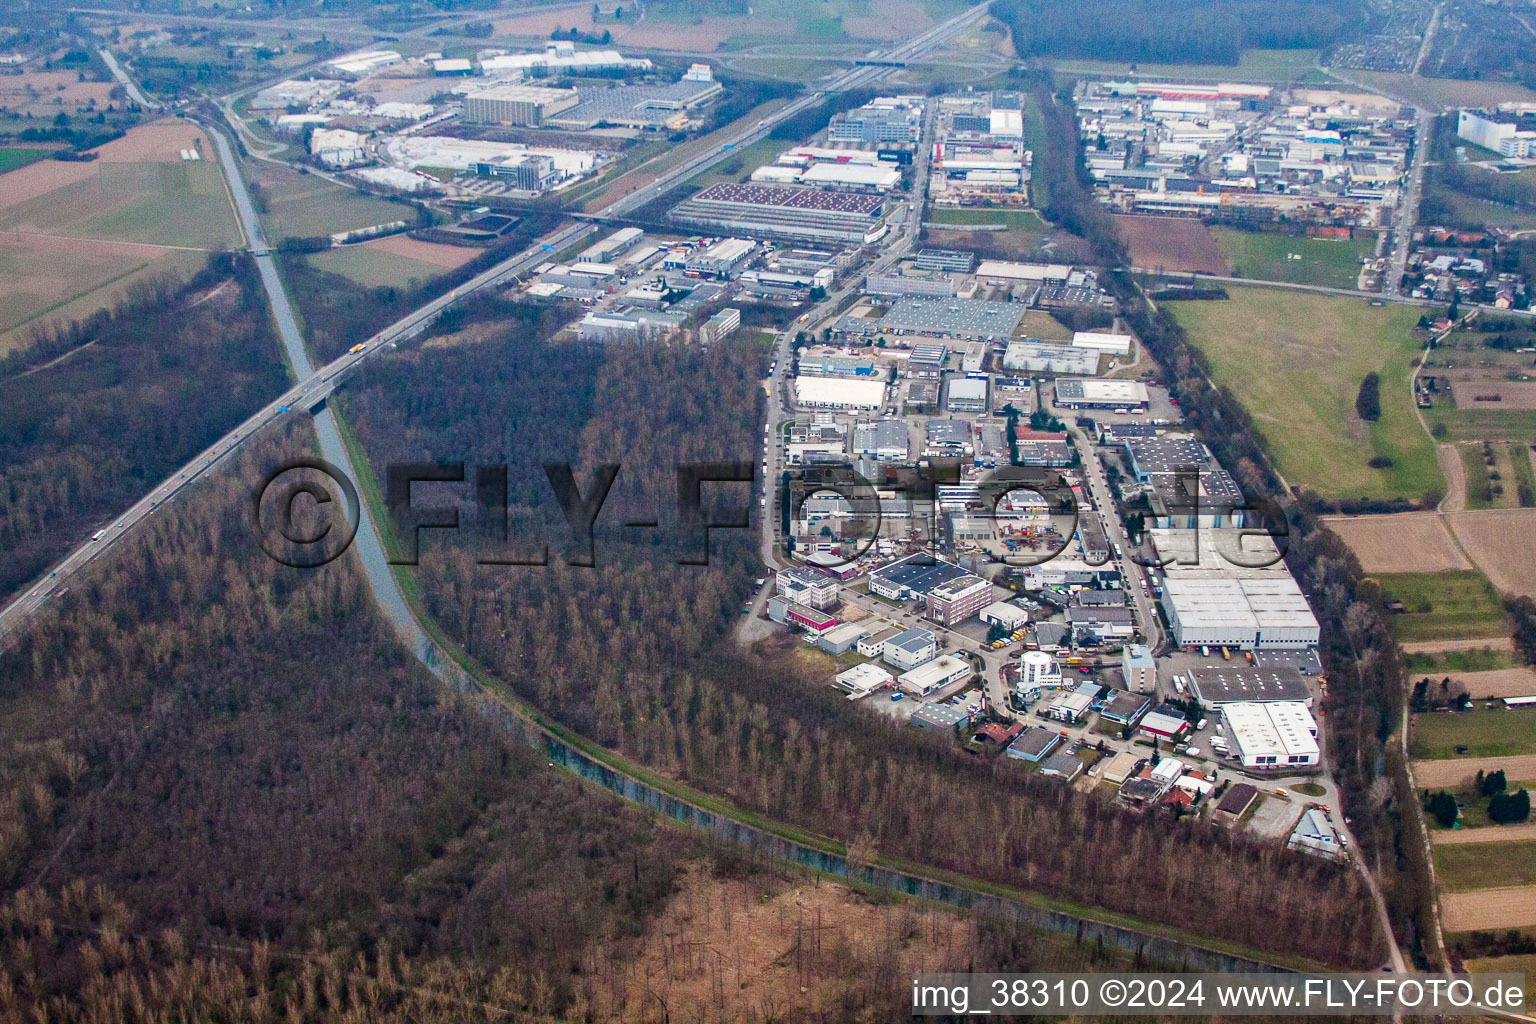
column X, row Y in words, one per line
column 997, row 732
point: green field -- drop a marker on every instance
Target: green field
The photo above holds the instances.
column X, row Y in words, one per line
column 1443, row 605
column 1477, row 476
column 305, row 206
column 741, row 163
column 1464, row 866
column 179, row 204
column 1037, row 323
column 1295, row 360
column 1485, row 732
column 1484, row 659
column 1517, row 425
column 1520, row 459
column 10, row 159
column 60, row 288
column 1266, row 256
column 372, row 268
column 1279, row 66
column 1015, row 220
column 1525, row 965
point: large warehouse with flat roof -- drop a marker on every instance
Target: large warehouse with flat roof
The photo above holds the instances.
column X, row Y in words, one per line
column 1225, row 684
column 855, row 217
column 1276, row 736
column 839, row 392
column 517, row 104
column 1247, row 613
column 954, row 318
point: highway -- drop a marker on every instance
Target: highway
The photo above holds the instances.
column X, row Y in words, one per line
column 315, row 384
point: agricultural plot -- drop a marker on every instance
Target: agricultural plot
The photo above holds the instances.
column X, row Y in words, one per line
column 1170, row 244
column 294, row 205
column 1013, row 220
column 1443, row 605
column 158, row 203
column 1285, row 67
column 394, row 262
column 1525, row 965
column 12, row 158
column 1264, row 256
column 1467, row 866
column 46, row 279
column 1296, row 360
column 1450, row 774
column 1499, row 682
column 1501, row 542
column 1509, row 907
column 1404, row 542
column 695, row 27
column 75, row 235
column 1484, row 732
column 1462, row 663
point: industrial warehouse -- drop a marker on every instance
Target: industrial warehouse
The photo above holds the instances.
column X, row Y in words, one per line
column 797, row 212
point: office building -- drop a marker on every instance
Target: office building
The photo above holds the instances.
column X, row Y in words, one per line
column 958, row 599
column 911, row 648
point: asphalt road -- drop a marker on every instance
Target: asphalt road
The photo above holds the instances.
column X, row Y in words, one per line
column 314, row 384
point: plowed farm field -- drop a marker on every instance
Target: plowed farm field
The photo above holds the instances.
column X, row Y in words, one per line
column 1405, row 542
column 1171, row 244
column 1502, row 542
column 1451, row 773
column 1510, row 907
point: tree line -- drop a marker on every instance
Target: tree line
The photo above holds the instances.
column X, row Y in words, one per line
column 1174, row 31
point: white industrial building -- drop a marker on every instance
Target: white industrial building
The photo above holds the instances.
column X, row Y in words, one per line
column 839, row 392
column 1114, row 344
column 1102, row 393
column 911, row 648
column 1070, row 707
column 1242, row 612
column 862, row 680
column 1001, row 613
column 1271, row 735
column 806, row 586
column 934, row 675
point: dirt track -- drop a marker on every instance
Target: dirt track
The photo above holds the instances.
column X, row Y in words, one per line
column 1455, row 478
column 1511, row 907
column 1503, row 682
column 1496, row 643
column 1455, row 771
column 1491, row 834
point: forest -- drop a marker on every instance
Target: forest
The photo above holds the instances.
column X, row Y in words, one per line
column 635, row 653
column 1174, row 31
column 96, row 413
column 213, row 751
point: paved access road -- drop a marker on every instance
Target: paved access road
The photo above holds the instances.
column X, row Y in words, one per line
column 313, row 385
